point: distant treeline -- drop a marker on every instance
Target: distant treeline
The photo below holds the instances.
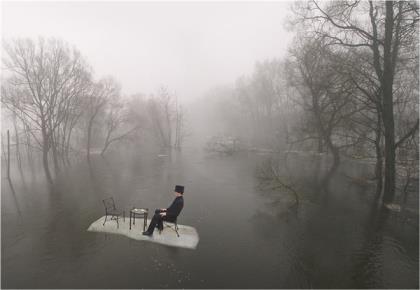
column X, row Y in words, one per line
column 349, row 85
column 56, row 108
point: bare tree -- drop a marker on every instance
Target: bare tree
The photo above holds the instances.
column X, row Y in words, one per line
column 161, row 113
column 165, row 100
column 263, row 99
column 100, row 94
column 383, row 29
column 44, row 78
column 118, row 126
column 155, row 115
column 327, row 94
column 180, row 124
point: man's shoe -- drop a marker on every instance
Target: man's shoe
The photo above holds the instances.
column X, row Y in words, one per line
column 146, row 233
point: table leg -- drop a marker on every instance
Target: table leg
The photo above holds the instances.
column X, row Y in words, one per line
column 144, row 222
column 130, row 219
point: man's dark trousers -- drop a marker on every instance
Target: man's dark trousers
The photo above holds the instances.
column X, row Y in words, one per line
column 171, row 213
column 157, row 220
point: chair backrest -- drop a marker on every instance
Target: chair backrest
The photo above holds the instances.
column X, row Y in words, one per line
column 109, row 204
column 173, row 219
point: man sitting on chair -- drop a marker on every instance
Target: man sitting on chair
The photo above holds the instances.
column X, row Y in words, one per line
column 167, row 214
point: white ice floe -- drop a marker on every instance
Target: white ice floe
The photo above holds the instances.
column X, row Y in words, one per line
column 188, row 236
column 393, row 207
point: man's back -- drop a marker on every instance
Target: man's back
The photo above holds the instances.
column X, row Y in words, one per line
column 175, row 208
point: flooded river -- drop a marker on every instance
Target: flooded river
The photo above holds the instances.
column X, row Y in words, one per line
column 248, row 238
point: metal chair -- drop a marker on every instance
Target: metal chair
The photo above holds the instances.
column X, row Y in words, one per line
column 111, row 210
column 171, row 224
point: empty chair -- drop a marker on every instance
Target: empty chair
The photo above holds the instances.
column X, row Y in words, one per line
column 111, row 210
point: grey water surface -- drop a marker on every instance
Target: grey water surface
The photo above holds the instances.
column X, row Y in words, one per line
column 248, row 237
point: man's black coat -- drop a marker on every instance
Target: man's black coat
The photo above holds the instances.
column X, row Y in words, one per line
column 175, row 208
column 171, row 214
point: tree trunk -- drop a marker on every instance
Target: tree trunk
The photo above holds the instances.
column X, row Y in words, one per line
column 106, row 144
column 17, row 146
column 28, row 147
column 389, row 187
column 379, row 157
column 168, row 125
column 54, row 146
column 320, row 143
column 45, row 150
column 388, row 107
column 89, row 136
column 67, row 146
column 9, row 178
column 8, row 156
column 336, row 157
column 157, row 123
column 63, row 143
column 104, row 149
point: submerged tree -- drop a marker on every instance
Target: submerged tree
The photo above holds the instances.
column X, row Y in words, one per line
column 167, row 118
column 263, row 100
column 44, row 79
column 385, row 30
column 118, row 124
column 180, row 132
column 327, row 94
column 100, row 95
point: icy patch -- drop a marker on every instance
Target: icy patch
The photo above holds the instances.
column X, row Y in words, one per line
column 188, row 236
column 393, row 207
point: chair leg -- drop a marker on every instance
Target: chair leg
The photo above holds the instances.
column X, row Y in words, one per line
column 105, row 220
column 176, row 229
column 118, row 225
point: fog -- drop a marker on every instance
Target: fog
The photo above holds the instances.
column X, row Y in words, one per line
column 189, row 47
column 293, row 127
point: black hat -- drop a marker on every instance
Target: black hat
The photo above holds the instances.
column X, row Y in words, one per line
column 179, row 188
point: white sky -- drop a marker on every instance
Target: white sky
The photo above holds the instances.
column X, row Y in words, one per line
column 188, row 46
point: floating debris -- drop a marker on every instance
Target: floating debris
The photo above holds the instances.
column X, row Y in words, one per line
column 393, row 206
column 223, row 144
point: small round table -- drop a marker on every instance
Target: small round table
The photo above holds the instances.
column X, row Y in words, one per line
column 139, row 212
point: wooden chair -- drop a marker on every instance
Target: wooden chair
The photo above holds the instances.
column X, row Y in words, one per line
column 111, row 210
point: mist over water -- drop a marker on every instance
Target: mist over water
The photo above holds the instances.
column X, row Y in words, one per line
column 292, row 125
column 248, row 238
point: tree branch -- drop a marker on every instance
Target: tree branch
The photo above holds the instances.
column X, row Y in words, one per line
column 408, row 135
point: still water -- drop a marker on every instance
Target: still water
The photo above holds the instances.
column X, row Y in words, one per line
column 248, row 238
